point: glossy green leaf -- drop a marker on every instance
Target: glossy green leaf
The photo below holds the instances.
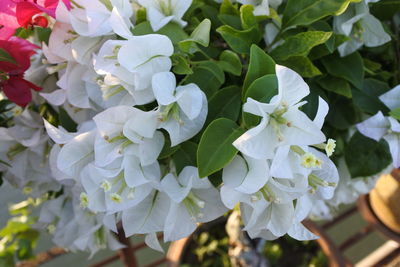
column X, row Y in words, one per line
column 215, row 149
column 300, row 44
column 240, row 41
column 305, row 12
column 180, row 65
column 365, row 156
column 172, row 30
column 230, row 62
column 227, row 7
column 262, row 89
column 336, row 85
column 260, row 64
column 185, row 156
column 395, row 113
column 367, row 99
column 200, row 35
column 302, row 65
column 225, row 103
column 247, row 17
column 208, row 76
column 350, row 68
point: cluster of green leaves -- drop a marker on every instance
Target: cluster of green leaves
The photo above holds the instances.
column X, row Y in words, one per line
column 18, row 239
column 223, row 51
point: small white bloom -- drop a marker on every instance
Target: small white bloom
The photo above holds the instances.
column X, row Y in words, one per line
column 282, row 122
column 183, row 109
column 361, row 27
column 161, row 12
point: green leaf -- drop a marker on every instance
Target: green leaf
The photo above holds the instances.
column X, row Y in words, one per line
column 262, row 89
column 180, row 65
column 260, row 64
column 350, row 68
column 365, row 157
column 300, row 44
column 336, row 85
column 65, row 121
column 185, row 156
column 395, row 113
column 141, row 15
column 200, row 35
column 227, row 7
column 43, row 34
column 240, row 41
column 172, row 30
column 367, row 99
column 305, row 12
column 208, row 76
column 230, row 62
column 230, row 20
column 343, row 115
column 247, row 17
column 214, row 68
column 6, row 57
column 215, row 148
column 385, row 9
column 225, row 103
column 302, row 65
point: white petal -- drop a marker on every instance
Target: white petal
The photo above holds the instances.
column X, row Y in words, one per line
column 76, row 154
column 394, row 146
column 141, row 49
column 141, row 123
column 374, row 127
column 59, row 136
column 234, row 173
column 256, row 178
column 323, row 109
column 173, row 189
column 299, row 232
column 391, row 98
column 152, row 241
column 374, row 34
column 291, row 86
column 133, row 172
column 111, row 121
column 258, row 142
column 164, row 84
column 150, row 149
column 190, row 100
column 57, row 97
column 178, row 223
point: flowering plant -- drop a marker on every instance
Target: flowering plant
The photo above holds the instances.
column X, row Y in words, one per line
column 163, row 114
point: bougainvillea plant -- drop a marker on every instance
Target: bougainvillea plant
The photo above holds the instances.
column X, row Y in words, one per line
column 158, row 115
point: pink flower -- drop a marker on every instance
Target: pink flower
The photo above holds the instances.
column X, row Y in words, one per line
column 12, row 71
column 25, row 13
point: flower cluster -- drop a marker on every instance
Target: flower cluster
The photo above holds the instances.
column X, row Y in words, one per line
column 159, row 115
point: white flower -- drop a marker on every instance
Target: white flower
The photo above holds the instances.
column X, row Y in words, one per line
column 361, row 27
column 183, row 109
column 130, row 65
column 161, row 12
column 192, row 200
column 388, row 128
column 124, row 128
column 282, row 122
column 97, row 18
